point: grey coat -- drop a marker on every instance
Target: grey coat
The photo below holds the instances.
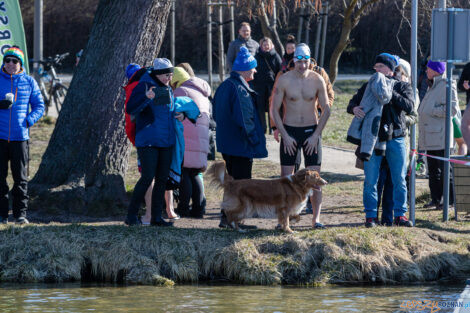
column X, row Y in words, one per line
column 234, row 47
column 364, row 131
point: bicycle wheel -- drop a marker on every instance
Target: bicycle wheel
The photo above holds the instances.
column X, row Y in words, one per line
column 59, row 96
column 45, row 98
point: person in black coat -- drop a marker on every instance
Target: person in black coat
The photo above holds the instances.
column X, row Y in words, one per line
column 464, row 81
column 269, row 64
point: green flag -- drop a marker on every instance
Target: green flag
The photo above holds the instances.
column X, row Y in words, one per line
column 11, row 29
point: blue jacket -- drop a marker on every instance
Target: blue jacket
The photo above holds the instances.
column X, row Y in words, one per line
column 239, row 131
column 14, row 122
column 190, row 110
column 155, row 125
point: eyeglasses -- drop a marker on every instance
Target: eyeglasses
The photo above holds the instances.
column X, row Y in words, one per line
column 8, row 60
column 300, row 57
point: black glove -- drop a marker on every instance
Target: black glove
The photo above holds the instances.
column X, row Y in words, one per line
column 5, row 104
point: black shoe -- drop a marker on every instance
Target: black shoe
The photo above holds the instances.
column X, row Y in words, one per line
column 198, row 215
column 430, row 204
column 21, row 220
column 3, row 220
column 133, row 220
column 161, row 223
column 403, row 221
column 384, row 223
column 319, row 226
column 371, row 222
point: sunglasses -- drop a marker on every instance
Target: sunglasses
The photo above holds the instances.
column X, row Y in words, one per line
column 8, row 60
column 300, row 57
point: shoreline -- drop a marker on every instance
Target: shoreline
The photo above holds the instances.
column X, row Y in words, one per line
column 153, row 256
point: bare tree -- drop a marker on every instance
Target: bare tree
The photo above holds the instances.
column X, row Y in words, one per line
column 353, row 11
column 86, row 159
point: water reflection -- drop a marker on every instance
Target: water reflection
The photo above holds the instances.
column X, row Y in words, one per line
column 204, row 298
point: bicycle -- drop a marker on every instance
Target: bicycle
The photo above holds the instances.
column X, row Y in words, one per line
column 47, row 74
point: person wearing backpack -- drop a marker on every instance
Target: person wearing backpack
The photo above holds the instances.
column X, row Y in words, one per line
column 152, row 104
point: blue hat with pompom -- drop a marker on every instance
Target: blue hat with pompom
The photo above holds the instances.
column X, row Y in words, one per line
column 244, row 61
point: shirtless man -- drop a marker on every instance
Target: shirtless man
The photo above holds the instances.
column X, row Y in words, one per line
column 301, row 128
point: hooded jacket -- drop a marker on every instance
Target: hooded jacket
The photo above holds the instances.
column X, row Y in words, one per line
column 239, row 131
column 432, row 115
column 196, row 136
column 154, row 118
column 15, row 121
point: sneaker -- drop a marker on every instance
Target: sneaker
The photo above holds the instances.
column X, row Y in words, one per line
column 319, row 226
column 403, row 221
column 21, row 220
column 161, row 223
column 386, row 223
column 3, row 220
column 371, row 222
column 133, row 220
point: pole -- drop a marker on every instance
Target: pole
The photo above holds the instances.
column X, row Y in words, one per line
column 307, row 29
column 450, row 57
column 323, row 40
column 274, row 15
column 414, row 84
column 221, row 45
column 38, row 39
column 172, row 39
column 209, row 42
column 442, row 4
column 232, row 23
column 318, row 34
column 301, row 21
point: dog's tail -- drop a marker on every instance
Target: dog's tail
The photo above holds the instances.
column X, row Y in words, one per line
column 217, row 174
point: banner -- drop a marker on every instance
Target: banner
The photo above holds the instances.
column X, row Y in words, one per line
column 11, row 28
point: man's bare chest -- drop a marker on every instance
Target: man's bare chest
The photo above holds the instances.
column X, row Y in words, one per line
column 301, row 91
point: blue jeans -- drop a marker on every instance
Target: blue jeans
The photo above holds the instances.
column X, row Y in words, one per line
column 385, row 193
column 396, row 158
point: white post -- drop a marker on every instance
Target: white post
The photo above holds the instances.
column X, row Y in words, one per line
column 414, row 84
column 38, row 38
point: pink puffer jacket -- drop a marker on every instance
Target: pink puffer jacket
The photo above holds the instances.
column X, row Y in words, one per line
column 196, row 136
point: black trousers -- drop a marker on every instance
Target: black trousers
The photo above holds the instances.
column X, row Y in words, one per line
column 191, row 188
column 436, row 177
column 17, row 153
column 238, row 167
column 262, row 104
column 155, row 163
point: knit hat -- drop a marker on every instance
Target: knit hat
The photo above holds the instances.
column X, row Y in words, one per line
column 405, row 66
column 301, row 49
column 439, row 67
column 244, row 60
column 179, row 77
column 131, row 69
column 389, row 60
column 14, row 52
column 162, row 66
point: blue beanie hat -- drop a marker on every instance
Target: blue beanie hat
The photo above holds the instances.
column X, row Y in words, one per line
column 131, row 69
column 391, row 61
column 439, row 67
column 244, row 61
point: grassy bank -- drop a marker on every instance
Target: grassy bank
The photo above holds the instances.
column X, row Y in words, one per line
column 147, row 255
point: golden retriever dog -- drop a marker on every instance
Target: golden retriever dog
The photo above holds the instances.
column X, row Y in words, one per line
column 283, row 198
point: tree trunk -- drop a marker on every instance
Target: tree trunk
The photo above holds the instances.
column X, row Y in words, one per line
column 86, row 160
column 339, row 48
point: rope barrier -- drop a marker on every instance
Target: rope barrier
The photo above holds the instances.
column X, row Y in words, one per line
column 462, row 162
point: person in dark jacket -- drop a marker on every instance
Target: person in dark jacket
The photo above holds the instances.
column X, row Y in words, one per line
column 289, row 54
column 153, row 107
column 392, row 129
column 244, row 39
column 20, row 108
column 464, row 81
column 239, row 135
column 269, row 64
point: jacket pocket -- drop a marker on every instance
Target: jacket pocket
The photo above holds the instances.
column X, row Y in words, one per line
column 433, row 134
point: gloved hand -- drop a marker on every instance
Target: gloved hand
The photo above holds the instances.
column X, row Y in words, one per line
column 5, row 104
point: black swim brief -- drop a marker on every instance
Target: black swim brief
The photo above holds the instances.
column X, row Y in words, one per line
column 300, row 135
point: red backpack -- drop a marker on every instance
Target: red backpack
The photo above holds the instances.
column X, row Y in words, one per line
column 129, row 123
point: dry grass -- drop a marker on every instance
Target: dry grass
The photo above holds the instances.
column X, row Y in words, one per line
column 154, row 256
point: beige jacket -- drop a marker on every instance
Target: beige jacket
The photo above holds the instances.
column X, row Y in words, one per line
column 432, row 112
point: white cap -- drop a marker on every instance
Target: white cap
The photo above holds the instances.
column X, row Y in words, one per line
column 161, row 63
column 301, row 49
column 406, row 67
